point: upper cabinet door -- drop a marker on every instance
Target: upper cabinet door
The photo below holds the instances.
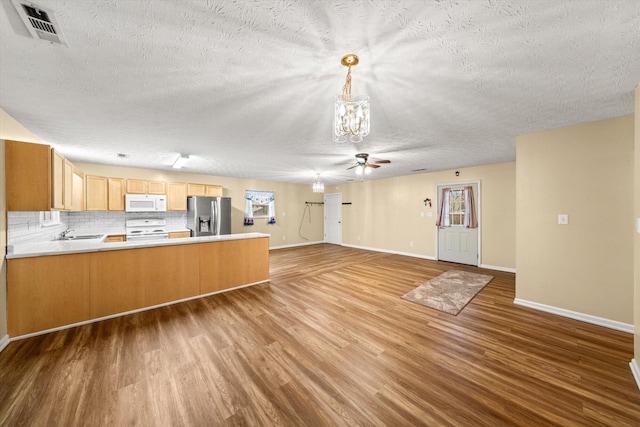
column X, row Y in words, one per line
column 57, row 183
column 195, row 189
column 77, row 187
column 176, row 196
column 67, row 193
column 96, row 188
column 28, row 176
column 156, row 187
column 136, row 186
column 116, row 194
column 213, row 190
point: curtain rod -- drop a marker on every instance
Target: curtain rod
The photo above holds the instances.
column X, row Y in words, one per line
column 322, row 203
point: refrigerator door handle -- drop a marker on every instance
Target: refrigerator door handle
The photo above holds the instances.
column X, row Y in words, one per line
column 218, row 215
column 214, row 217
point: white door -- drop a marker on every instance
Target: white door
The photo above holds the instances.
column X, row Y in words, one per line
column 457, row 243
column 333, row 218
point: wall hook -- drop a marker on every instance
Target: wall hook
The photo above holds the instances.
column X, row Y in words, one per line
column 427, row 202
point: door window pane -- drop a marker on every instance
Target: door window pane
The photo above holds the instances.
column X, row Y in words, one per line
column 456, row 207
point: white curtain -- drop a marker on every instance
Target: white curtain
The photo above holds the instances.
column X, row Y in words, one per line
column 470, row 218
column 248, row 210
column 443, row 212
column 261, row 198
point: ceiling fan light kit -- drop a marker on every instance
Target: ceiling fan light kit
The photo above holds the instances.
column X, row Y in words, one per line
column 352, row 118
column 364, row 166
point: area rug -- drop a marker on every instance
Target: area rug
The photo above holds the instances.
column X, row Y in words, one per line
column 449, row 292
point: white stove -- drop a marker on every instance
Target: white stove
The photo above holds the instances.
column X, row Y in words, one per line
column 146, row 229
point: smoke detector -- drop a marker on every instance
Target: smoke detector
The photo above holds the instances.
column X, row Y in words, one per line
column 41, row 23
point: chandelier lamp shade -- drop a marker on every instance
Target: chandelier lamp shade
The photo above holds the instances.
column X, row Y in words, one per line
column 318, row 187
column 352, row 118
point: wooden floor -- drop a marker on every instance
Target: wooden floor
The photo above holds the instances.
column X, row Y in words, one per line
column 328, row 341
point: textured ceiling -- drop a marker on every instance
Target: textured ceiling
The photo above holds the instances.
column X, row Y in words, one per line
column 247, row 87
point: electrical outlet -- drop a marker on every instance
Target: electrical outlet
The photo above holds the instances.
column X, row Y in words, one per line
column 411, row 244
column 284, row 237
column 563, row 219
column 358, row 237
column 421, row 213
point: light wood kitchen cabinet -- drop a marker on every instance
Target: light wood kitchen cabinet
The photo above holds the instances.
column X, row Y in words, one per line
column 116, row 192
column 116, row 238
column 156, row 187
column 141, row 186
column 57, row 180
column 213, row 190
column 67, row 194
column 61, row 182
column 176, row 196
column 195, row 189
column 179, row 234
column 38, row 178
column 77, row 189
column 136, row 186
column 46, row 292
column 96, row 193
column 28, row 176
column 204, row 190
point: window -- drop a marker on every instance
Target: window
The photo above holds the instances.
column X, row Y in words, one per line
column 456, row 207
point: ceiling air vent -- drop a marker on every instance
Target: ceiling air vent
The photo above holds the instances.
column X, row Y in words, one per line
column 41, row 23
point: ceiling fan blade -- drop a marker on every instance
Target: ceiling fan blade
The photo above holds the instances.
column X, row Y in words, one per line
column 352, row 167
column 379, row 162
column 371, row 165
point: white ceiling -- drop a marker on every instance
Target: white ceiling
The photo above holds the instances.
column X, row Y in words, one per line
column 247, row 87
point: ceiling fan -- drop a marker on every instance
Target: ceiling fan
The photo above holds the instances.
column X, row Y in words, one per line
column 363, row 164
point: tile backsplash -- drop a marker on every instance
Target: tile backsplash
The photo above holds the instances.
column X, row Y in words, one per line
column 26, row 227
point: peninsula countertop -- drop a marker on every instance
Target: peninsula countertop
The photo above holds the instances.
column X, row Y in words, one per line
column 61, row 247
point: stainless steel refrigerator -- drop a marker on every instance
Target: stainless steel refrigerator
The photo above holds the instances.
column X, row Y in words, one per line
column 209, row 216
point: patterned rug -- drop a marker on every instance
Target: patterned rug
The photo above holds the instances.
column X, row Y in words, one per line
column 449, row 292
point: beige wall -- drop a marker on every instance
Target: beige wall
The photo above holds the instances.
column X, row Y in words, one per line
column 386, row 213
column 291, row 219
column 9, row 129
column 637, row 218
column 585, row 171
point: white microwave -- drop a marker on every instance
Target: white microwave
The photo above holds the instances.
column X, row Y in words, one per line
column 145, row 203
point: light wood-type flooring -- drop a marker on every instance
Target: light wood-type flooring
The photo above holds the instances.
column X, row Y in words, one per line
column 328, row 341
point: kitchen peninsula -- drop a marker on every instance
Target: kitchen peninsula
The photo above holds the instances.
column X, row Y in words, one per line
column 62, row 284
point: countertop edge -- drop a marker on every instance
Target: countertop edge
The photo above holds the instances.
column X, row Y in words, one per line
column 84, row 247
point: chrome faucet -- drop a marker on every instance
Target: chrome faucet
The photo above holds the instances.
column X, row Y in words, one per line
column 63, row 235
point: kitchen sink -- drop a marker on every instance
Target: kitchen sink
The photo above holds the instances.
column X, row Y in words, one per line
column 85, row 236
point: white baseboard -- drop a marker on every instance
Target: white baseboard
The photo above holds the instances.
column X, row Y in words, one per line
column 498, row 268
column 390, row 252
column 487, row 266
column 4, row 341
column 138, row 310
column 293, row 245
column 636, row 371
column 595, row 320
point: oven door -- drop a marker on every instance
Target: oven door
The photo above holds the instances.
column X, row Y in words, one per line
column 146, row 237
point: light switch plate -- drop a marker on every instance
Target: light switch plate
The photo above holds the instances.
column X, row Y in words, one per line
column 638, row 225
column 563, row 219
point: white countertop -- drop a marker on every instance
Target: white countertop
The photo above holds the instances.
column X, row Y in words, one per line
column 60, row 247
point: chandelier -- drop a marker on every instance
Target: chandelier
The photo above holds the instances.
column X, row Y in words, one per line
column 318, row 187
column 351, row 112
